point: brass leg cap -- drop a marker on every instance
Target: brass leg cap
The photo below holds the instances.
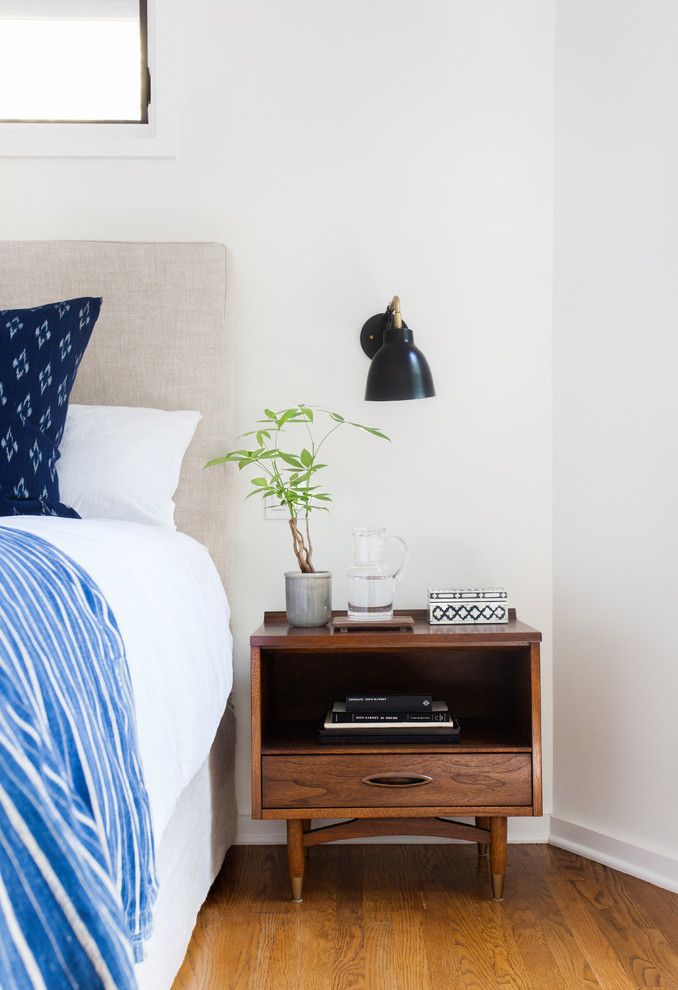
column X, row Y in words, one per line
column 497, row 886
column 296, row 888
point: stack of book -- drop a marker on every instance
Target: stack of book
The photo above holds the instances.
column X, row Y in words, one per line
column 369, row 718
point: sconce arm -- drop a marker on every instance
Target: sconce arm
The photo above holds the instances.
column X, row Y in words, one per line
column 394, row 307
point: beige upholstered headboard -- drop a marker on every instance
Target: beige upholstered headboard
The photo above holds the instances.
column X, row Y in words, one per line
column 162, row 340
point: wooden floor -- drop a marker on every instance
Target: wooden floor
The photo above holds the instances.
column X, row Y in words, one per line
column 420, row 917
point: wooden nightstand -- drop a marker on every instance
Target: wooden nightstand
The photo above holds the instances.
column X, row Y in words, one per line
column 489, row 676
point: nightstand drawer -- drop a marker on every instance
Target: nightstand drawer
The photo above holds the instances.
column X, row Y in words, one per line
column 393, row 781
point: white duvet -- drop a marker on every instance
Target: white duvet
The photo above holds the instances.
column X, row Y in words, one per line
column 172, row 612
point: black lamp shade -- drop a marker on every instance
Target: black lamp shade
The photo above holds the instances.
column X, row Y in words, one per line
column 398, row 370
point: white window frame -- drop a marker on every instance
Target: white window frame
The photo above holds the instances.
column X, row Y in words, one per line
column 111, row 140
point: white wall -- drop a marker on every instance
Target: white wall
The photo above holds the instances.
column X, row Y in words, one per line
column 615, row 415
column 347, row 152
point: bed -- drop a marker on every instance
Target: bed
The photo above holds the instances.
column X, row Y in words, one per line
column 158, row 362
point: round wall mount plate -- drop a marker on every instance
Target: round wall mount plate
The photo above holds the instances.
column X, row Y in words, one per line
column 372, row 333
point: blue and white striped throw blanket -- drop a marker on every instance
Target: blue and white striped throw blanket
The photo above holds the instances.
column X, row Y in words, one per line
column 77, row 872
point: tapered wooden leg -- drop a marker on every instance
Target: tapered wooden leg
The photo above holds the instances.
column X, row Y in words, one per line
column 305, row 827
column 498, row 856
column 295, row 856
column 483, row 847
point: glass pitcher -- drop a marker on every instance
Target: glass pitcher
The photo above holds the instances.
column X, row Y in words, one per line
column 371, row 581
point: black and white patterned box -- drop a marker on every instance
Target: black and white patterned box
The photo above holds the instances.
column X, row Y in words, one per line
column 462, row 606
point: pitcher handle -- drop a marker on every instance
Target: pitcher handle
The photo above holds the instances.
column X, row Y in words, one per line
column 405, row 558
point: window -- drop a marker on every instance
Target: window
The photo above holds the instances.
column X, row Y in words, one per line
column 75, row 77
column 73, row 60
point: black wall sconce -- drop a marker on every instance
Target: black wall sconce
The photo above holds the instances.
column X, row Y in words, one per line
column 398, row 370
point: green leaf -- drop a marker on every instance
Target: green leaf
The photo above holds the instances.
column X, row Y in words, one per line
column 371, row 429
column 261, row 482
column 336, row 417
column 287, row 415
column 290, row 459
column 306, row 457
column 299, row 479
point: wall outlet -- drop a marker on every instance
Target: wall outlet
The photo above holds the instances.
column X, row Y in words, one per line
column 273, row 509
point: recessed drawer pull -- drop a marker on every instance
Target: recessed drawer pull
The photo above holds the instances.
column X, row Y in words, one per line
column 397, row 780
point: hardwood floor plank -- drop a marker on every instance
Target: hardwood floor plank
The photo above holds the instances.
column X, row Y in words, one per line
column 444, row 966
column 617, row 954
column 454, row 881
column 572, row 962
column 348, row 970
column 411, row 959
column 607, row 892
column 647, row 957
column 393, row 905
column 507, row 959
column 568, row 865
column 252, row 973
column 301, row 954
column 602, row 956
column 659, row 905
column 527, row 905
column 349, row 943
column 476, row 963
column 664, row 953
column 380, row 965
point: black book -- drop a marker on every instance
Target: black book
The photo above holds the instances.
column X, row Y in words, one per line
column 388, row 702
column 437, row 712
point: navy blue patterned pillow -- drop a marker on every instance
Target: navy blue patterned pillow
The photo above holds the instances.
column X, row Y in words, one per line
column 40, row 351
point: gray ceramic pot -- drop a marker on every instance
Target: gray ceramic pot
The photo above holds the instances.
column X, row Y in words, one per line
column 308, row 598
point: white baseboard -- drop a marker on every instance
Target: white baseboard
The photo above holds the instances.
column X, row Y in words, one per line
column 634, row 860
column 271, row 833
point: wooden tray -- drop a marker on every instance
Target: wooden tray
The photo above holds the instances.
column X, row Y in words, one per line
column 342, row 623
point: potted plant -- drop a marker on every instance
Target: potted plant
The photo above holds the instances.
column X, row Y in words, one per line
column 290, row 476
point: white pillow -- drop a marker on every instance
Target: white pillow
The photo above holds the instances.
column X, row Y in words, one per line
column 120, row 462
